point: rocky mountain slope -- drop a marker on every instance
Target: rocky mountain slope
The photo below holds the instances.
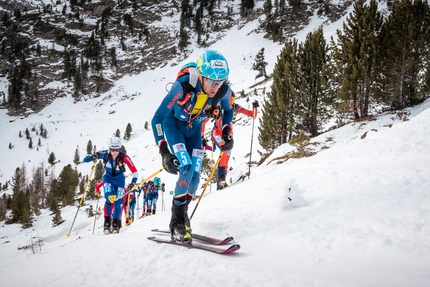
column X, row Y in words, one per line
column 84, row 46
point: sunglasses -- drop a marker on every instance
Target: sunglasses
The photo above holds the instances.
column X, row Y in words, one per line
column 114, row 150
column 214, row 82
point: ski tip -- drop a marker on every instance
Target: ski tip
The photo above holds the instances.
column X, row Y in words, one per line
column 232, row 249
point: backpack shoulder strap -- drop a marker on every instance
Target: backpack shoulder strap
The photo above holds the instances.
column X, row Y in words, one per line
column 120, row 161
column 189, row 85
column 105, row 158
column 189, row 69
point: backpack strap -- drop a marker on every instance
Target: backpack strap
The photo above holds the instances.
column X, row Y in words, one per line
column 190, row 85
column 119, row 161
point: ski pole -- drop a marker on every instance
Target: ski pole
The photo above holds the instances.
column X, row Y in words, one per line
column 163, row 207
column 140, row 183
column 250, row 152
column 83, row 196
column 95, row 215
column 207, row 182
column 212, row 159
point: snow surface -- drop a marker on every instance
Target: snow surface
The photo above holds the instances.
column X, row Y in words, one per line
column 359, row 214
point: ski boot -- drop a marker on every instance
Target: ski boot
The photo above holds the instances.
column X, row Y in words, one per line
column 116, row 225
column 222, row 183
column 106, row 226
column 181, row 233
column 180, row 223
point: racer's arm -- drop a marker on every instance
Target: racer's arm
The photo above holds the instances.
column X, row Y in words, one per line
column 132, row 167
column 227, row 106
column 250, row 113
column 165, row 108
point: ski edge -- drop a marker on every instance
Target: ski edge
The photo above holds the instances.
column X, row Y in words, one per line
column 217, row 250
column 211, row 240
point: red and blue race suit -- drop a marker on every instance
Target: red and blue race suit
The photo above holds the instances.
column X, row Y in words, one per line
column 114, row 182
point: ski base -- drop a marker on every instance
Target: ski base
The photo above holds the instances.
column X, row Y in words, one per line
column 207, row 239
column 214, row 249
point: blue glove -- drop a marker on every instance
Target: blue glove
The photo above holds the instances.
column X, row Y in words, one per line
column 89, row 158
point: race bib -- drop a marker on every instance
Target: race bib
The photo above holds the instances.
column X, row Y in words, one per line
column 182, row 154
column 197, row 160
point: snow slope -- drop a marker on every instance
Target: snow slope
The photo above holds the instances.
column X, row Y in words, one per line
column 359, row 214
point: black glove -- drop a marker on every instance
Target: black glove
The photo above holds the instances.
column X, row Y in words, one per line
column 255, row 104
column 130, row 186
column 227, row 138
column 170, row 162
column 204, row 142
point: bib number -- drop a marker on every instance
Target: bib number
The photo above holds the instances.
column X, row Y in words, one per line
column 182, row 154
column 197, row 160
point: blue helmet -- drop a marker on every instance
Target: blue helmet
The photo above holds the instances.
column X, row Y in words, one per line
column 212, row 65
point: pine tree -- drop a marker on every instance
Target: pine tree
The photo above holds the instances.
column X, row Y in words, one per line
column 20, row 205
column 99, row 171
column 26, row 215
column 67, row 182
column 57, row 219
column 260, row 64
column 267, row 7
column 51, row 158
column 76, row 158
column 128, row 131
column 118, row 133
column 91, row 192
column 89, row 147
column 38, row 191
column 277, row 122
column 405, row 39
column 52, row 197
column 185, row 19
column 313, row 60
column 30, row 144
column 82, row 185
column 113, row 57
column 3, row 207
column 246, row 7
column 358, row 56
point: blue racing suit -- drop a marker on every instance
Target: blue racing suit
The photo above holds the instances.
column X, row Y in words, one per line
column 179, row 120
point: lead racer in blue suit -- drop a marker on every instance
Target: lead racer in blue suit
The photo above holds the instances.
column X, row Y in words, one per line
column 200, row 91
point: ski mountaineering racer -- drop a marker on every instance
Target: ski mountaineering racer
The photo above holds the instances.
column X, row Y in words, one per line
column 200, row 89
column 114, row 181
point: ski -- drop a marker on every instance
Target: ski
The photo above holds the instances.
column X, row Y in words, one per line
column 207, row 239
column 241, row 179
column 214, row 249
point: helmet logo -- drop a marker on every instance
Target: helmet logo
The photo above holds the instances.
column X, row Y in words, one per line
column 218, row 64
